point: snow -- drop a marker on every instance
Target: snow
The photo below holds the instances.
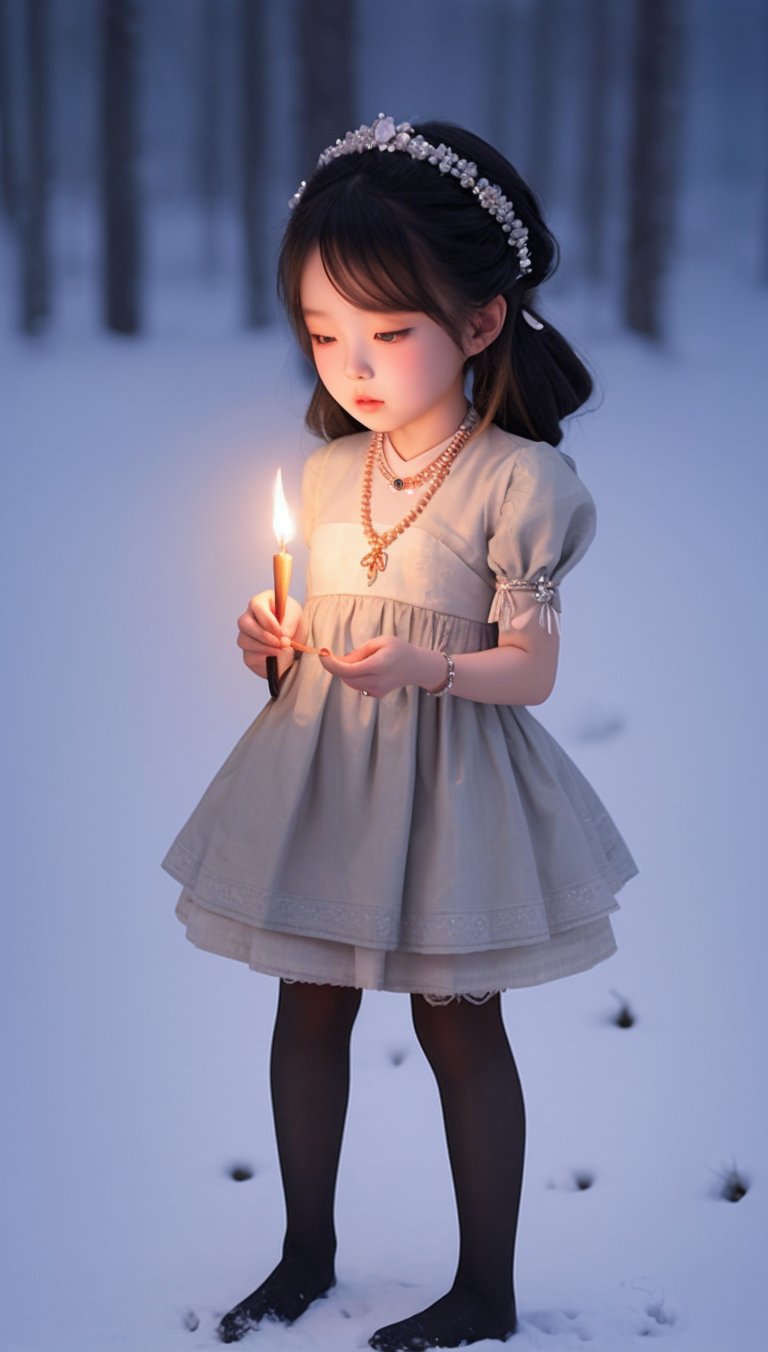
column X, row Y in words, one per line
column 136, row 491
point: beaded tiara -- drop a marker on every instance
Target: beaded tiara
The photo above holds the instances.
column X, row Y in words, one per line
column 383, row 134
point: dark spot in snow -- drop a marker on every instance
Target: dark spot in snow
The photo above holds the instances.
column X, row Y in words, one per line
column 583, row 1180
column 397, row 1056
column 625, row 1016
column 733, row 1185
column 345, row 1314
column 573, row 1180
column 599, row 725
column 241, row 1172
column 191, row 1321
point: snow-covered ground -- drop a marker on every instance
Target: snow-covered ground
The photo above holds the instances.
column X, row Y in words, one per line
column 136, row 503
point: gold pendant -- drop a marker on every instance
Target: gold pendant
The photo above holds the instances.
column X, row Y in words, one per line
column 374, row 562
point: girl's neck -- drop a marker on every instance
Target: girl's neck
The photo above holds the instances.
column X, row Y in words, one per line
column 416, row 438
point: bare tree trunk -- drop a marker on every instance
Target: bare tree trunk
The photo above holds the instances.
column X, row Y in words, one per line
column 33, row 214
column 762, row 269
column 600, row 59
column 121, row 264
column 654, row 168
column 254, row 143
column 9, row 170
column 326, row 76
column 208, row 95
column 762, row 266
column 547, row 19
column 503, row 67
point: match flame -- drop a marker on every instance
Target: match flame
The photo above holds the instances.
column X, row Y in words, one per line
column 282, row 520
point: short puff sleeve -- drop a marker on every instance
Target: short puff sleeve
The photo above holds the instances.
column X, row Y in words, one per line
column 546, row 524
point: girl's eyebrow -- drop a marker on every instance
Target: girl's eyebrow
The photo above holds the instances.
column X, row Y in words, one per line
column 321, row 314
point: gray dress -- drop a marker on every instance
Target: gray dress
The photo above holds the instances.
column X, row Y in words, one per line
column 439, row 846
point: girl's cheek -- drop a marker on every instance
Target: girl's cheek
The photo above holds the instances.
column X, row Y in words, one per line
column 322, row 360
column 400, row 359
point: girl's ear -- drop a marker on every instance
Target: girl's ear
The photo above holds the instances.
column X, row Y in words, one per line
column 484, row 326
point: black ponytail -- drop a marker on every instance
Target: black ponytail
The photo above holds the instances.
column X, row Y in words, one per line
column 529, row 379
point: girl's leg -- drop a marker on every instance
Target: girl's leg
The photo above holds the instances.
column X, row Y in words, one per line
column 309, row 1077
column 466, row 1045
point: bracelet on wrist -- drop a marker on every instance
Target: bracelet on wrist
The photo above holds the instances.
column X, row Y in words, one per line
column 449, row 678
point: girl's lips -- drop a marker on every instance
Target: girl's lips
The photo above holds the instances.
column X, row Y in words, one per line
column 368, row 403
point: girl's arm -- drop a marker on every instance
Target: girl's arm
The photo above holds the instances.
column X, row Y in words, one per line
column 521, row 670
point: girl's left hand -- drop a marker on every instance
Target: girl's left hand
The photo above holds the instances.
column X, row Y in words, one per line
column 378, row 666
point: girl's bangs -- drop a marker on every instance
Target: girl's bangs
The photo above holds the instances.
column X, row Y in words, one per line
column 378, row 269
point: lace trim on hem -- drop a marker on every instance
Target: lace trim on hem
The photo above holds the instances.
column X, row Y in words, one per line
column 472, row 997
column 373, row 927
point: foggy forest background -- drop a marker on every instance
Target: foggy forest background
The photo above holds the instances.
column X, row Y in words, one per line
column 140, row 139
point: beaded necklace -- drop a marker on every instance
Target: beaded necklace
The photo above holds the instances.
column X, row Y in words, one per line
column 375, row 561
column 407, row 482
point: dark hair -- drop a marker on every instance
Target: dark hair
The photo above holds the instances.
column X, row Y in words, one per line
column 396, row 234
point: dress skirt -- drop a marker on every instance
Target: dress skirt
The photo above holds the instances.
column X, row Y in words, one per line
column 443, row 847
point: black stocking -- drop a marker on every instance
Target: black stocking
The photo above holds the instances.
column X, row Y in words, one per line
column 309, row 1076
column 466, row 1045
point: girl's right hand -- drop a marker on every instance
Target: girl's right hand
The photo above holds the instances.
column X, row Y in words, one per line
column 261, row 636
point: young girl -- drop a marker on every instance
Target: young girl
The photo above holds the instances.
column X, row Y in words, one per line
column 396, row 819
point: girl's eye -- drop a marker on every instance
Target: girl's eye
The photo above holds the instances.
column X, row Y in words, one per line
column 391, row 336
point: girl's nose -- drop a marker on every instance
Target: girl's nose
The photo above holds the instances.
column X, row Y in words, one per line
column 357, row 365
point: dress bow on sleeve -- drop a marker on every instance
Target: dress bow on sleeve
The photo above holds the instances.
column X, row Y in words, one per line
column 544, row 592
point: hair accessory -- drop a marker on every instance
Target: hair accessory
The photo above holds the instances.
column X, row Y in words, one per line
column 375, row 561
column 383, row 134
column 450, row 677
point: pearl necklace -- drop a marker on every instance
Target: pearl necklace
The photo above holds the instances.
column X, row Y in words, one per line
column 375, row 561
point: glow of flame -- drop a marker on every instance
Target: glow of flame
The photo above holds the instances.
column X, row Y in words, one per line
column 282, row 520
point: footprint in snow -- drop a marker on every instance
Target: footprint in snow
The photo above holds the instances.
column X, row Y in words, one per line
column 659, row 1319
column 555, row 1323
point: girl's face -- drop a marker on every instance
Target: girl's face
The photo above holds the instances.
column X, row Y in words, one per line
column 398, row 372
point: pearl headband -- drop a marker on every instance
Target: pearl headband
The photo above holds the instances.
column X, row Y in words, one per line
column 384, row 135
